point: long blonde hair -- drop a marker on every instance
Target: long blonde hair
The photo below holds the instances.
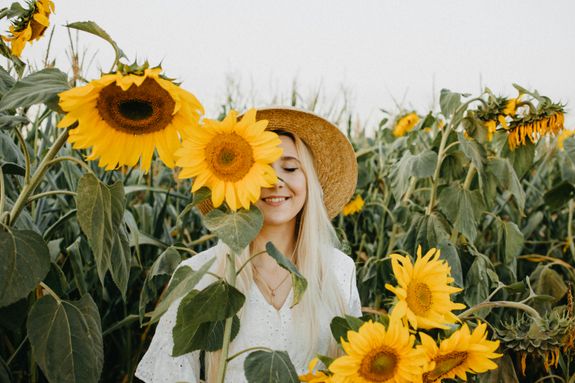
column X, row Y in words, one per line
column 315, row 242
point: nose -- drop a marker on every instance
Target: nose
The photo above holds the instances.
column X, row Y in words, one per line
column 281, row 183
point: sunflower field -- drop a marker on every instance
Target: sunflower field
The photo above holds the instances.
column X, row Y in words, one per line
column 462, row 227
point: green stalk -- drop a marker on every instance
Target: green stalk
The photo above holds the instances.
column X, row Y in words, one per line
column 231, row 280
column 2, row 195
column 570, row 227
column 516, row 305
column 440, row 158
column 466, row 184
column 29, row 187
column 26, row 154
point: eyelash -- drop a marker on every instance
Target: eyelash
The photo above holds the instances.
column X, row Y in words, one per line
column 290, row 170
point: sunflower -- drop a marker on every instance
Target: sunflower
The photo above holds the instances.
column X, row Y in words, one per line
column 30, row 26
column 315, row 377
column 124, row 117
column 511, row 107
column 231, row 158
column 424, row 291
column 459, row 354
column 405, row 124
column 377, row 354
column 533, row 128
column 353, row 206
column 491, row 126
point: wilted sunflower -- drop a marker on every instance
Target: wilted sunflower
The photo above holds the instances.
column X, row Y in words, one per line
column 491, row 126
column 231, row 158
column 534, row 127
column 315, row 377
column 30, row 26
column 353, row 206
column 377, row 354
column 424, row 291
column 459, row 354
column 124, row 117
column 405, row 124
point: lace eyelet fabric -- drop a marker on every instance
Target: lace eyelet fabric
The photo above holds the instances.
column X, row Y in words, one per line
column 262, row 325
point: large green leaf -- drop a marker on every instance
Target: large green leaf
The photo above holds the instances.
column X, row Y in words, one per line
column 557, row 197
column 66, row 339
column 24, row 262
column 183, row 281
column 209, row 336
column 510, row 242
column 299, row 283
column 270, row 367
column 95, row 29
column 507, row 179
column 426, row 231
column 100, row 215
column 216, row 302
column 449, row 102
column 341, row 325
column 521, row 158
column 6, row 81
column 236, row 229
column 421, row 165
column 474, row 151
column 479, row 280
column 8, row 121
column 449, row 253
column 39, row 87
column 463, row 208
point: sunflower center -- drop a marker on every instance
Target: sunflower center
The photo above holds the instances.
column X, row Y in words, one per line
column 139, row 109
column 229, row 156
column 379, row 365
column 419, row 298
column 444, row 364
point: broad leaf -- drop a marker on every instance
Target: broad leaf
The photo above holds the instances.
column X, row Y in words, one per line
column 216, row 302
column 95, row 29
column 521, row 158
column 479, row 280
column 341, row 325
column 474, row 151
column 6, row 81
column 66, row 339
column 39, row 87
column 510, row 242
column 426, row 231
column 8, row 121
column 557, row 197
column 270, row 367
column 183, row 281
column 448, row 252
column 236, row 229
column 449, row 102
column 507, row 179
column 24, row 262
column 209, row 336
column 299, row 283
column 463, row 208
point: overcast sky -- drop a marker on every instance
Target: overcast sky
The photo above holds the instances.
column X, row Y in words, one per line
column 377, row 50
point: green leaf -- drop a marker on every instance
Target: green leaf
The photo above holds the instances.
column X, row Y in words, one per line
column 549, row 282
column 299, row 283
column 270, row 367
column 95, row 29
column 426, row 231
column 100, row 215
column 463, row 208
column 216, row 302
column 449, row 102
column 504, row 373
column 478, row 281
column 6, row 81
column 423, row 164
column 183, row 281
column 341, row 325
column 474, row 151
column 209, row 336
column 235, row 229
column 557, row 197
column 24, row 262
column 39, row 87
column 66, row 339
column 521, row 158
column 448, row 252
column 510, row 240
column 507, row 179
column 164, row 265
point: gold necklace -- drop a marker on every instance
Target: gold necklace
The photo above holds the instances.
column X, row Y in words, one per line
column 272, row 291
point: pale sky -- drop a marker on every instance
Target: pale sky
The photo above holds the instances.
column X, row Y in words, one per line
column 377, row 50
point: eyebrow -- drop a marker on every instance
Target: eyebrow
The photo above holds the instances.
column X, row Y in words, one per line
column 288, row 158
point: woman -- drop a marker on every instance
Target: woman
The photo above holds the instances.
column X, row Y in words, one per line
column 317, row 173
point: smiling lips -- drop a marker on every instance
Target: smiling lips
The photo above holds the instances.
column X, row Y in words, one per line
column 275, row 200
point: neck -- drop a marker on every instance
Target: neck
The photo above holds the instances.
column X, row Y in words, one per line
column 283, row 238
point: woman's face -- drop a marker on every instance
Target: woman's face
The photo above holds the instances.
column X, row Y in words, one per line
column 281, row 203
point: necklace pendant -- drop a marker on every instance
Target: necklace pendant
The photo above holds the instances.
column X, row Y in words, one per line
column 273, row 294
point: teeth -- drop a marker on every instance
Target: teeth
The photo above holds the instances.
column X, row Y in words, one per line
column 276, row 199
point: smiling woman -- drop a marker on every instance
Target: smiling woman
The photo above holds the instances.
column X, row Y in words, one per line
column 296, row 219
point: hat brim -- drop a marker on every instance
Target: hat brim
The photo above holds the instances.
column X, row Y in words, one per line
column 334, row 158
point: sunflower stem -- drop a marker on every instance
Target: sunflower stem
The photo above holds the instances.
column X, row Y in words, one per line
column 231, row 280
column 26, row 155
column 49, row 193
column 570, row 227
column 516, row 305
column 248, row 350
column 72, row 159
column 440, row 157
column 29, row 187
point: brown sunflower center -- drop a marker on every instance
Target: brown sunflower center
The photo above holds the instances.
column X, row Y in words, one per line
column 419, row 298
column 445, row 364
column 229, row 156
column 138, row 110
column 379, row 365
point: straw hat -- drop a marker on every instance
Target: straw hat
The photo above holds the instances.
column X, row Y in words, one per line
column 333, row 156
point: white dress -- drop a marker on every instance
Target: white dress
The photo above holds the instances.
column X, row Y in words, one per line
column 262, row 325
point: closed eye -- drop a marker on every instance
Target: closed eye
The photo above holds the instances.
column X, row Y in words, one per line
column 290, row 170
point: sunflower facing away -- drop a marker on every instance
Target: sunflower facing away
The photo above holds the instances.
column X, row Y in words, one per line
column 534, row 128
column 424, row 291
column 459, row 354
column 30, row 26
column 405, row 124
column 231, row 158
column 377, row 354
column 123, row 118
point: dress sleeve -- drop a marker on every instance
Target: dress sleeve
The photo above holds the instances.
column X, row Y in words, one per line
column 158, row 365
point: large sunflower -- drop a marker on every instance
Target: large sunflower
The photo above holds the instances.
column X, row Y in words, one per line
column 424, row 291
column 231, row 158
column 124, row 117
column 459, row 354
column 377, row 354
column 30, row 26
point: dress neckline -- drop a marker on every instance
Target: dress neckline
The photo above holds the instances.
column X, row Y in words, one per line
column 265, row 301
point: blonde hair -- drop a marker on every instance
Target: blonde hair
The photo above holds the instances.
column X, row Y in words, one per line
column 316, row 239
